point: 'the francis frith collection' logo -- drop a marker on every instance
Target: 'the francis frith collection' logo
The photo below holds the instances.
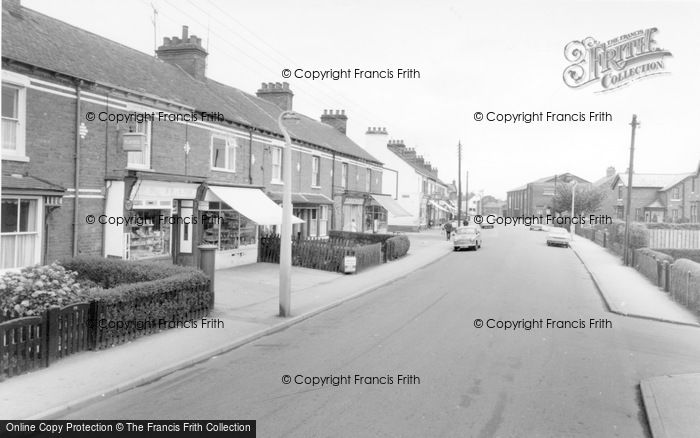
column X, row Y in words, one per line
column 614, row 63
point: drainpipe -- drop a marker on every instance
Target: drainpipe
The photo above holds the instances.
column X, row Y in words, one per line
column 77, row 168
column 250, row 157
column 333, row 192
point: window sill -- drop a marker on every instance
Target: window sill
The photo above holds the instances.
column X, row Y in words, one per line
column 221, row 169
column 133, row 167
column 8, row 157
column 277, row 182
column 316, row 187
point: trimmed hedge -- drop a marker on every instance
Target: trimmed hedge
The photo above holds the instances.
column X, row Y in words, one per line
column 690, row 254
column 672, row 226
column 396, row 247
column 369, row 238
column 684, row 284
column 108, row 273
column 140, row 293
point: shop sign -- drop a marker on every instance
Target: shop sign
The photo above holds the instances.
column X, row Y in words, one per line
column 133, row 141
column 350, row 264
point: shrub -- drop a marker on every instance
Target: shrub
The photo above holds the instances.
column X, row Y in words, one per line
column 35, row 289
column 690, row 254
column 684, row 284
column 397, row 246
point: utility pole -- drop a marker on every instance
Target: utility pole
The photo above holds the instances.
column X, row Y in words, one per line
column 466, row 195
column 572, row 227
column 285, row 278
column 459, row 177
column 628, row 203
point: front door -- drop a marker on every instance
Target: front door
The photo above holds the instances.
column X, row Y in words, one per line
column 185, row 222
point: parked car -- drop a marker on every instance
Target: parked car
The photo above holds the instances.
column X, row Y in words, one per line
column 485, row 224
column 558, row 237
column 536, row 227
column 467, row 237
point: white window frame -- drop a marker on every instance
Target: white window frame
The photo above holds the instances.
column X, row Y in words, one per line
column 39, row 229
column 276, row 169
column 676, row 194
column 368, row 180
column 146, row 150
column 315, row 171
column 231, row 144
column 323, row 221
column 344, row 175
column 619, row 193
column 19, row 83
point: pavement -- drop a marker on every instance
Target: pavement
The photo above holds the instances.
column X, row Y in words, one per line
column 671, row 402
column 626, row 291
column 246, row 309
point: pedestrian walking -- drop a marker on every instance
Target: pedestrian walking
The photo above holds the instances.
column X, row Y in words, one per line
column 353, row 226
column 448, row 230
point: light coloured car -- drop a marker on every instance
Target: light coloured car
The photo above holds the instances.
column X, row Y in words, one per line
column 536, row 226
column 558, row 237
column 467, row 237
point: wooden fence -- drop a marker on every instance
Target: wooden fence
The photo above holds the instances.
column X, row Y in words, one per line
column 678, row 239
column 34, row 342
column 318, row 253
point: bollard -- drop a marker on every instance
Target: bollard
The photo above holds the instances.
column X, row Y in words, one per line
column 667, row 275
column 207, row 263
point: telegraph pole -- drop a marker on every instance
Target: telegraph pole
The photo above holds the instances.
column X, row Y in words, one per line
column 459, row 183
column 628, row 203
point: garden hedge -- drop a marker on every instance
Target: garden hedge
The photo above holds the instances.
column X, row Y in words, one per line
column 396, row 247
column 684, row 284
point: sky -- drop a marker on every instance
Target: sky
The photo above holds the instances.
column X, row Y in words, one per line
column 473, row 56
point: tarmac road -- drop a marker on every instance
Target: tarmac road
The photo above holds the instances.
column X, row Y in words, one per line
column 565, row 380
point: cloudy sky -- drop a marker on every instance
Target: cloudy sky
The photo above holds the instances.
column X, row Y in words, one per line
column 502, row 57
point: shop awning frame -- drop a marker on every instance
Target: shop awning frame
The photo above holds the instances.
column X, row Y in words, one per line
column 252, row 203
column 391, row 205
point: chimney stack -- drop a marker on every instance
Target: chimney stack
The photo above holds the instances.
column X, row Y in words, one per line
column 610, row 171
column 186, row 52
column 338, row 120
column 278, row 93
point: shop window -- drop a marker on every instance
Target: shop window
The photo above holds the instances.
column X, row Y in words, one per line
column 276, row 164
column 19, row 236
column 226, row 228
column 141, row 160
column 375, row 218
column 149, row 234
column 223, row 153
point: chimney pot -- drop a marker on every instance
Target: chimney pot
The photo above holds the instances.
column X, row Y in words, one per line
column 185, row 30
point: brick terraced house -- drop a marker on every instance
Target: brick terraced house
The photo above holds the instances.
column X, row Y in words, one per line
column 535, row 198
column 76, row 147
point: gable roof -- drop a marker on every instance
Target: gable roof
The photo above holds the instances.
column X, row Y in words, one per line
column 661, row 181
column 417, row 167
column 39, row 40
column 563, row 177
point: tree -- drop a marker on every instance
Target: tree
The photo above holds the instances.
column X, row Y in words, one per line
column 588, row 199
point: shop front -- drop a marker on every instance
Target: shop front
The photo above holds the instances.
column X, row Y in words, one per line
column 233, row 218
column 313, row 209
column 150, row 220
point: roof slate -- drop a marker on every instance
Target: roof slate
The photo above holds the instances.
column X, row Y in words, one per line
column 39, row 40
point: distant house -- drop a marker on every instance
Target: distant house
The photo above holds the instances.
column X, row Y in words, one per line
column 411, row 181
column 658, row 197
column 535, row 198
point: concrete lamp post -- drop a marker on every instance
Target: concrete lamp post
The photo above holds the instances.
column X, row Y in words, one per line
column 286, row 232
